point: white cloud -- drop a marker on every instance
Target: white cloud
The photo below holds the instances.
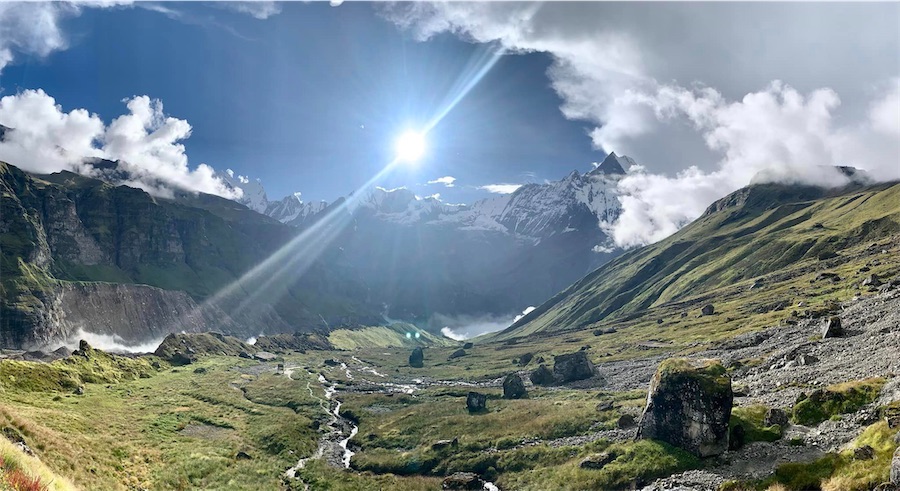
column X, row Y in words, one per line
column 44, row 138
column 446, row 181
column 258, row 9
column 500, row 188
column 631, row 68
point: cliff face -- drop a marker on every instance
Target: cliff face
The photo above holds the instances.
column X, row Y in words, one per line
column 78, row 253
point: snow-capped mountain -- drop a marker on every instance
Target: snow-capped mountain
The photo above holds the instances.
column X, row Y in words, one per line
column 254, row 196
column 421, row 256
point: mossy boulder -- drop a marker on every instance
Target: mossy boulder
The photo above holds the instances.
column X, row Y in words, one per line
column 572, row 366
column 183, row 349
column 689, row 406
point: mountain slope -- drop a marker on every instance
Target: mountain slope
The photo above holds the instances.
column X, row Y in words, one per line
column 79, row 253
column 752, row 232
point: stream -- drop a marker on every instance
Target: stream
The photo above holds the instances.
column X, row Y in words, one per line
column 333, row 445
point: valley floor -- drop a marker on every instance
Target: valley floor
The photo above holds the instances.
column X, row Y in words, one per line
column 362, row 418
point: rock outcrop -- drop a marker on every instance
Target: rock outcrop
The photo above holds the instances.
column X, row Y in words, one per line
column 832, row 328
column 689, row 406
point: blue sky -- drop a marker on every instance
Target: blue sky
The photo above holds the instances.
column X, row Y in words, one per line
column 706, row 96
column 312, row 99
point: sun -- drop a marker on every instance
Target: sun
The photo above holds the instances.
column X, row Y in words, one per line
column 410, row 147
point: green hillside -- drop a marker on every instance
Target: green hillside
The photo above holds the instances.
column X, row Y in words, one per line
column 753, row 232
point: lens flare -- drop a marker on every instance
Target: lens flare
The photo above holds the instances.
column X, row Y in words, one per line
column 410, row 147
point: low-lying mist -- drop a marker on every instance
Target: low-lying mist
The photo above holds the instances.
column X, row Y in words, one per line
column 110, row 343
column 466, row 327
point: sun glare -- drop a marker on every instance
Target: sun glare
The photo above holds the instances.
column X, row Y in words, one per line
column 410, row 147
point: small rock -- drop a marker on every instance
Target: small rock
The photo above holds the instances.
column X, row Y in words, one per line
column 625, row 421
column 597, row 461
column 659, row 321
column 417, row 358
column 476, row 402
column 886, row 486
column 79, row 391
column 456, row 354
column 243, row 456
column 872, row 281
column 462, row 480
column 200, row 370
column 863, row 453
column 332, row 362
column 804, row 359
column 442, row 444
column 832, row 328
column 775, row 416
column 468, row 346
column 513, row 387
column 892, row 416
column 708, row 309
column 605, row 406
column 244, row 354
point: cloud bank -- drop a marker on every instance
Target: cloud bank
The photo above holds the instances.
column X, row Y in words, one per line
column 44, row 138
column 696, row 94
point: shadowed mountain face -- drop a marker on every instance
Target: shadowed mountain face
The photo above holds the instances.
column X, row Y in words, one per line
column 752, row 232
column 81, row 254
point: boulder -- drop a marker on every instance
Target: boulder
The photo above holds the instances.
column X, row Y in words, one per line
column 476, row 402
column 597, row 461
column 462, row 480
column 513, row 387
column 895, row 468
column 708, row 309
column 541, row 376
column 417, row 358
column 62, row 352
column 265, row 356
column 625, row 421
column 689, row 406
column 872, row 281
column 468, row 346
column 775, row 416
column 525, row 359
column 572, row 366
column 456, row 354
column 832, row 328
column 331, row 362
column 241, row 455
column 79, row 391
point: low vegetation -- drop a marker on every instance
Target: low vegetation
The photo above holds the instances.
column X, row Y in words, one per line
column 837, row 399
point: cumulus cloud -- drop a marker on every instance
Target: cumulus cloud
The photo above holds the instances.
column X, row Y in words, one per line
column 692, row 90
column 446, row 181
column 44, row 138
column 500, row 188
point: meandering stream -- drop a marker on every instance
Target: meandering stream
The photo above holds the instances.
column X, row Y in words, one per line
column 334, row 445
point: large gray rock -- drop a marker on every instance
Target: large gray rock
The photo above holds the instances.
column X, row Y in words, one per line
column 513, row 387
column 572, row 366
column 417, row 358
column 688, row 406
column 708, row 309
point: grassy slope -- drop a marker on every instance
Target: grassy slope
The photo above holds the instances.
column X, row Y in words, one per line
column 718, row 250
